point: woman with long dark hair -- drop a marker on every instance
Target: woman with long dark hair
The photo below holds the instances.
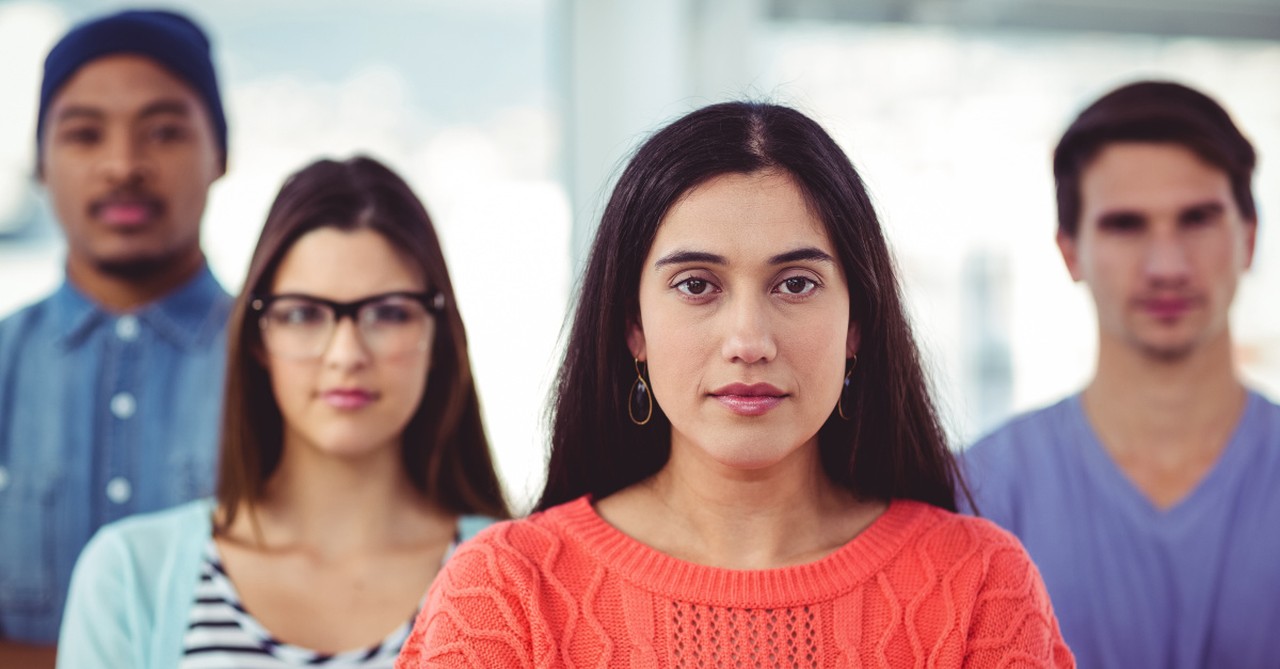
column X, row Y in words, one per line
column 746, row 466
column 353, row 455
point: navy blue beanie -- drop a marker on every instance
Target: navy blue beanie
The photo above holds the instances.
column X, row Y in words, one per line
column 172, row 40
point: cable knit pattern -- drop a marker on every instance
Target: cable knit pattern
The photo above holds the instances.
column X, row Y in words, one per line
column 920, row 587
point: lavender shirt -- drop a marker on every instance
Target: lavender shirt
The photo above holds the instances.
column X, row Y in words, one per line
column 1196, row 585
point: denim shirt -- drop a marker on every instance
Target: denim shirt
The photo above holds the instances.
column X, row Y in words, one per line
column 102, row 415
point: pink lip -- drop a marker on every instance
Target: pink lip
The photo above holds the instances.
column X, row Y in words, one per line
column 125, row 213
column 749, row 400
column 1166, row 309
column 348, row 398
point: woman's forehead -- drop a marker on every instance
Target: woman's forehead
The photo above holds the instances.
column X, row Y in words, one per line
column 742, row 216
column 369, row 261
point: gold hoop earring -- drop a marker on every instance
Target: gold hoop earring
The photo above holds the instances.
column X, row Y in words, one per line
column 640, row 400
column 853, row 362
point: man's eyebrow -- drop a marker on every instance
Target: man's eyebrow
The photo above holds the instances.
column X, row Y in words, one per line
column 1206, row 207
column 680, row 257
column 73, row 112
column 166, row 106
column 157, row 108
column 1121, row 216
column 799, row 255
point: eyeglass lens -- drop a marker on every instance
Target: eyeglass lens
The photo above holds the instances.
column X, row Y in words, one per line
column 296, row 327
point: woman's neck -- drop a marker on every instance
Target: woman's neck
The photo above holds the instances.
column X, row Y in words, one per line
column 701, row 511
column 333, row 505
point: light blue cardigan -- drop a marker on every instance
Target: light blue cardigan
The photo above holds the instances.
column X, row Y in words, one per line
column 133, row 586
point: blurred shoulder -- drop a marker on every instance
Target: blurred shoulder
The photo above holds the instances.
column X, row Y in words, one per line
column 1027, row 430
column 145, row 549
column 1268, row 405
column 1021, row 456
column 25, row 319
column 148, row 533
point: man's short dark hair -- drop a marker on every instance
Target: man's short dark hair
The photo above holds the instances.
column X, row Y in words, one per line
column 1155, row 112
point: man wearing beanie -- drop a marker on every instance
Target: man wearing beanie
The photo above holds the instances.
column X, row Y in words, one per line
column 1150, row 500
column 111, row 386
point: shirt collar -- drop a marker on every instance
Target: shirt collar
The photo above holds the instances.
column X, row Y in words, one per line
column 74, row 315
column 188, row 316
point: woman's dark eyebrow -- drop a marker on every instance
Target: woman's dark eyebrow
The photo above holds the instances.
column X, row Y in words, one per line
column 680, row 257
column 808, row 253
column 800, row 255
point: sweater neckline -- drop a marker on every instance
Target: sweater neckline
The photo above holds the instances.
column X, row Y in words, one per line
column 796, row 585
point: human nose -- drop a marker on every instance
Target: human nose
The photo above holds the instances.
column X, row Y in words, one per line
column 346, row 347
column 122, row 158
column 749, row 337
column 1166, row 259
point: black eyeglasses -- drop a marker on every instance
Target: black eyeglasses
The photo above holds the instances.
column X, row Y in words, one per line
column 301, row 326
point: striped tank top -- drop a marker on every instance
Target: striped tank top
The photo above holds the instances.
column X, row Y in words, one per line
column 221, row 634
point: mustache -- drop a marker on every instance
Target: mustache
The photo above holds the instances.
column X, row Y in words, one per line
column 131, row 195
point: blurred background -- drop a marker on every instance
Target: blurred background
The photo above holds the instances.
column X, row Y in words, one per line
column 512, row 118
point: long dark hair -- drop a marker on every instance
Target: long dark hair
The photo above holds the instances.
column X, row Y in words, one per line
column 444, row 448
column 893, row 446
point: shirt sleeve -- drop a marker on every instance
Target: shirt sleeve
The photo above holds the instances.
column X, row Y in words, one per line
column 477, row 612
column 1013, row 623
column 99, row 626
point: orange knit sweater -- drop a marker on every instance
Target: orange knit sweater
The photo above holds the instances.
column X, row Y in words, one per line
column 920, row 587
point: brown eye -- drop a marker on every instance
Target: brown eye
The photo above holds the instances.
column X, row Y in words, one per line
column 798, row 285
column 296, row 313
column 81, row 135
column 1122, row 222
column 167, row 133
column 392, row 312
column 693, row 286
column 1200, row 216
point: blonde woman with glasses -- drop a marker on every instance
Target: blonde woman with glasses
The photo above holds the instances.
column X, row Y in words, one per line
column 353, row 455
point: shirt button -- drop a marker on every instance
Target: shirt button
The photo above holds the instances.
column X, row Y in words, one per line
column 4, row 478
column 119, row 490
column 127, row 327
column 123, row 405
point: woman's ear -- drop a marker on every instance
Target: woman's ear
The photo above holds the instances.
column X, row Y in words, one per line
column 635, row 339
column 853, row 341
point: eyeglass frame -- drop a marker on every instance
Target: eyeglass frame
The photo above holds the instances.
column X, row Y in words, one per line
column 432, row 302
